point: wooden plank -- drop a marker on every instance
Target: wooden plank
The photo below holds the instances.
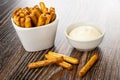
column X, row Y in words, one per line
column 14, row 59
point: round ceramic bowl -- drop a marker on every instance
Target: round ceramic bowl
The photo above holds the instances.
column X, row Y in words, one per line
column 84, row 45
column 37, row 38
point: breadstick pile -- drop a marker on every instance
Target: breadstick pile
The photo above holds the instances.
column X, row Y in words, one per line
column 55, row 58
column 34, row 16
column 64, row 61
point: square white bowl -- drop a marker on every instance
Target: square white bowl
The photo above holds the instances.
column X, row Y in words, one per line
column 37, row 38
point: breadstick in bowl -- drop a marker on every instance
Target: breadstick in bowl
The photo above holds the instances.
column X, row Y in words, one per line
column 16, row 19
column 48, row 19
column 34, row 18
column 28, row 22
column 22, row 22
column 44, row 62
column 41, row 20
column 42, row 6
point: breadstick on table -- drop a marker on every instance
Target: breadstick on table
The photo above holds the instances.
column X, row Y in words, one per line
column 44, row 62
column 22, row 22
column 88, row 65
column 28, row 22
column 66, row 58
column 34, row 18
column 63, row 63
column 42, row 6
column 41, row 20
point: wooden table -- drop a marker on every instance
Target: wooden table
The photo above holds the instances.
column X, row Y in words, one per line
column 14, row 58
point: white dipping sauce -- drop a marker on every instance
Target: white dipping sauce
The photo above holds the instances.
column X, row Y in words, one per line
column 84, row 33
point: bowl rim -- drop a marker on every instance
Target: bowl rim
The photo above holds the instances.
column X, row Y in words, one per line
column 32, row 28
column 83, row 24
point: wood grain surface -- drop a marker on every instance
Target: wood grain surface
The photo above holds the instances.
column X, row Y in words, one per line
column 14, row 58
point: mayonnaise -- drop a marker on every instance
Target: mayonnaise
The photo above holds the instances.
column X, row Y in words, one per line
column 84, row 33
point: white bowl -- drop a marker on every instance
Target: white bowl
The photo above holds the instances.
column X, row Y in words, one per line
column 84, row 45
column 37, row 38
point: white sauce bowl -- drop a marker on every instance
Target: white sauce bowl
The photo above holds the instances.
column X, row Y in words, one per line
column 87, row 44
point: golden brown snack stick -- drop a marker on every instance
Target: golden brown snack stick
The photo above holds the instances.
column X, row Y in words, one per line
column 52, row 9
column 30, row 9
column 53, row 16
column 41, row 20
column 66, row 58
column 42, row 6
column 22, row 22
column 88, row 65
column 21, row 14
column 44, row 62
column 36, row 6
column 26, row 11
column 37, row 12
column 63, row 63
column 19, row 11
column 15, row 12
column 38, row 9
column 28, row 22
column 48, row 19
column 45, row 11
column 34, row 18
column 16, row 19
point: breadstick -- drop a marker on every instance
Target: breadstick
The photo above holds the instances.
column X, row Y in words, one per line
column 34, row 18
column 30, row 9
column 88, row 65
column 52, row 9
column 44, row 62
column 53, row 16
column 45, row 11
column 22, row 22
column 42, row 6
column 41, row 20
column 21, row 14
column 36, row 6
column 19, row 11
column 66, row 58
column 48, row 19
column 63, row 63
column 37, row 12
column 28, row 22
column 16, row 19
column 26, row 11
column 15, row 12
